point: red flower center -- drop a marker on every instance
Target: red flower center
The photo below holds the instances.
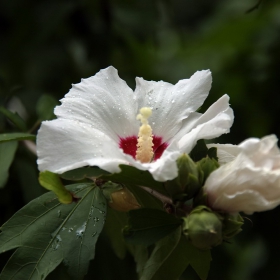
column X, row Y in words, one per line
column 129, row 146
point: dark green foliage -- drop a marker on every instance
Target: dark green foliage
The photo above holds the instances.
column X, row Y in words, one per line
column 7, row 152
column 47, row 232
column 147, row 226
column 134, row 176
column 16, row 136
column 14, row 118
column 82, row 173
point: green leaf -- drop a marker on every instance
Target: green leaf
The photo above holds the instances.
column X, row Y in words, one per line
column 161, row 252
column 147, row 226
column 141, row 256
column 182, row 256
column 115, row 221
column 200, row 151
column 45, row 107
column 82, row 173
column 199, row 260
column 16, row 136
column 134, row 176
column 14, row 118
column 175, row 264
column 51, row 182
column 7, row 153
column 48, row 233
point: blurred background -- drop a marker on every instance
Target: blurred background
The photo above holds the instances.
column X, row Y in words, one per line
column 45, row 46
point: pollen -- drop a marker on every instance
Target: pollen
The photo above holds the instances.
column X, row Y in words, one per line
column 145, row 144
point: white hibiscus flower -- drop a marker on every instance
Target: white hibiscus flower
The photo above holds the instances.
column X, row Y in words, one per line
column 96, row 124
column 250, row 180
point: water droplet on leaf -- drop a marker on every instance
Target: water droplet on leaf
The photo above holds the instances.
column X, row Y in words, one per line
column 80, row 231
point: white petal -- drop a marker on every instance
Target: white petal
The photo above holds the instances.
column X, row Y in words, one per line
column 67, row 144
column 165, row 168
column 225, row 152
column 215, row 121
column 172, row 103
column 187, row 125
column 247, row 201
column 267, row 145
column 103, row 101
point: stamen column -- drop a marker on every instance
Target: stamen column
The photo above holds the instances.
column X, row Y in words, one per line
column 145, row 144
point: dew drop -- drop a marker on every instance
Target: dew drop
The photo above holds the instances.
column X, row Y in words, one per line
column 94, row 234
column 56, row 243
column 80, row 231
column 58, row 213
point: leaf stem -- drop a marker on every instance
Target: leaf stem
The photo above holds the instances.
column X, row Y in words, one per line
column 164, row 199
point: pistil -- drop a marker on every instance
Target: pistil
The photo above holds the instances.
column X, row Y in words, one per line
column 145, row 144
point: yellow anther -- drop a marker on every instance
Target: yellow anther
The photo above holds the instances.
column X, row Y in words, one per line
column 145, row 144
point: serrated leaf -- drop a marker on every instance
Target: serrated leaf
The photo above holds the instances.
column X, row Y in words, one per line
column 147, row 226
column 161, row 252
column 7, row 152
column 45, row 107
column 134, row 176
column 51, row 182
column 82, row 173
column 14, row 118
column 48, row 233
column 17, row 136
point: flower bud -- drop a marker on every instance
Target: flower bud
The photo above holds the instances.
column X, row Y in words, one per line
column 120, row 198
column 207, row 166
column 203, row 228
column 124, row 201
column 187, row 181
column 250, row 181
